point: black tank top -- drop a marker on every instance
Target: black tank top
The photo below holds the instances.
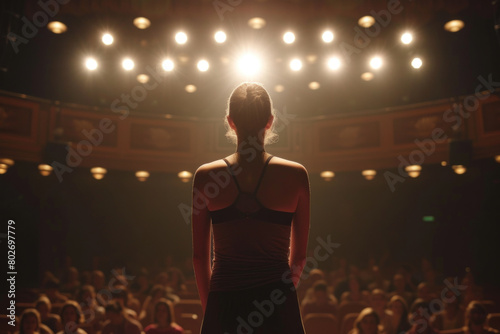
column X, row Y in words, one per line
column 251, row 242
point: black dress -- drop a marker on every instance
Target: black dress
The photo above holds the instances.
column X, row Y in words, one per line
column 250, row 287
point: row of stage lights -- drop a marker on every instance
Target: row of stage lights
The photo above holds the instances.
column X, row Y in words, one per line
column 185, row 176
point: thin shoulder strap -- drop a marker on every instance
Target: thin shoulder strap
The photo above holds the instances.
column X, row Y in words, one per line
column 231, row 172
column 262, row 174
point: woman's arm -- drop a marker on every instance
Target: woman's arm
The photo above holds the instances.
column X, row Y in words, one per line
column 300, row 227
column 200, row 222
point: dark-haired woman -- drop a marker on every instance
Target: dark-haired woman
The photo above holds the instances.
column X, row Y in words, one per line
column 257, row 205
column 163, row 319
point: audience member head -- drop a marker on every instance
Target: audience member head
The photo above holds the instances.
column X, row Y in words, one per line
column 30, row 321
column 399, row 283
column 158, row 291
column 71, row 316
column 320, row 289
column 163, row 312
column 114, row 312
column 98, row 280
column 378, row 299
column 475, row 314
column 43, row 306
column 420, row 315
column 367, row 321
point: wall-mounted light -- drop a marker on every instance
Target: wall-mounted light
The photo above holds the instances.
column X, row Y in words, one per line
column 98, row 172
column 459, row 169
column 45, row 169
column 142, row 175
column 185, row 176
column 413, row 170
column 5, row 164
column 369, row 174
column 327, row 175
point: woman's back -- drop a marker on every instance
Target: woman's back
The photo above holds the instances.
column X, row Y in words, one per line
column 251, row 238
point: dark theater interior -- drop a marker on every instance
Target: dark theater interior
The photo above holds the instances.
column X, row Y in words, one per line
column 114, row 123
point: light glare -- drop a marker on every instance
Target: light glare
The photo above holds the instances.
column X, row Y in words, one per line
column 289, row 37
column 366, row 21
column 327, row 36
column 91, row 64
column 107, row 39
column 167, row 65
column 334, row 63
column 220, row 36
column 203, row 65
column 416, row 63
column 128, row 64
column 181, row 37
column 296, row 65
column 406, row 38
column 376, row 63
column 249, row 64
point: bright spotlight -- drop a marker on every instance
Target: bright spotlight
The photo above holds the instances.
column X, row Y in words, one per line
column 128, row 64
column 334, row 63
column 376, row 63
column 327, row 36
column 107, row 39
column 279, row 88
column 181, row 37
column 296, row 65
column 367, row 76
column 249, row 64
column 289, row 37
column 203, row 65
column 167, row 65
column 190, row 88
column 91, row 64
column 143, row 78
column 416, row 63
column 406, row 38
column 220, row 37
column 454, row 25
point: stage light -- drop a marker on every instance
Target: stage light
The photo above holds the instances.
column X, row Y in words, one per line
column 289, row 37
column 459, row 169
column 185, row 176
column 416, row 63
column 142, row 22
column 334, row 63
column 249, row 64
column 142, row 175
column 57, row 27
column 279, row 88
column 296, row 64
column 369, row 174
column 143, row 78
column 5, row 164
column 406, row 38
column 167, row 65
column 98, row 172
column 257, row 23
column 413, row 170
column 90, row 64
column 107, row 39
column 444, row 163
column 45, row 169
column 220, row 37
column 181, row 38
column 311, row 59
column 314, row 85
column 367, row 76
column 327, row 36
column 128, row 64
column 327, row 175
column 376, row 63
column 366, row 21
column 454, row 25
column 190, row 88
column 203, row 65
column 497, row 158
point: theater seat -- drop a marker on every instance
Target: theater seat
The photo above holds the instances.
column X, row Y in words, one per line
column 348, row 322
column 320, row 323
column 189, row 314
